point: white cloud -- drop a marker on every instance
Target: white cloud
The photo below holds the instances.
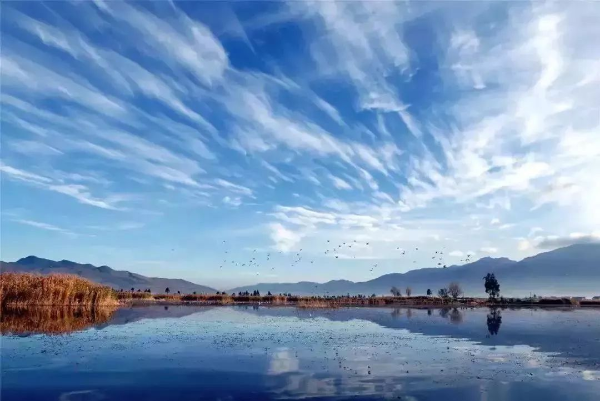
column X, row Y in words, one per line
column 283, row 361
column 488, row 249
column 506, row 226
column 45, row 226
column 573, row 238
column 33, row 148
column 535, row 230
column 285, row 239
column 518, row 142
column 234, row 187
column 185, row 43
column 361, row 42
column 77, row 191
column 557, row 241
column 457, row 254
column 122, row 226
column 23, row 175
column 232, row 201
column 339, row 183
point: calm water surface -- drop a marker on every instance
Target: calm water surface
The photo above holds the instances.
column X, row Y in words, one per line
column 249, row 353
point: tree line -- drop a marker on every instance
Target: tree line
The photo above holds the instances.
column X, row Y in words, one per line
column 454, row 290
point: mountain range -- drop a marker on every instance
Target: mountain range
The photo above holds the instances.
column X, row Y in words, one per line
column 118, row 279
column 572, row 270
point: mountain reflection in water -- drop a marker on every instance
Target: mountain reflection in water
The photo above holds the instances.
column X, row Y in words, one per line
column 250, row 353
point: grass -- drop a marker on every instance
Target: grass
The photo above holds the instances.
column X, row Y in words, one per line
column 52, row 320
column 24, row 289
column 126, row 296
column 309, row 303
column 167, row 297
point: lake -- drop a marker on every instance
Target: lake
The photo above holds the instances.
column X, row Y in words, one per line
column 261, row 353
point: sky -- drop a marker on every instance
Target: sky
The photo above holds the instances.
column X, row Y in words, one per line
column 235, row 143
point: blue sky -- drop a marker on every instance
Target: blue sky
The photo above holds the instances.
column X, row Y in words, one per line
column 144, row 135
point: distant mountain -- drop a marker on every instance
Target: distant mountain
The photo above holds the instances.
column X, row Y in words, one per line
column 118, row 279
column 573, row 270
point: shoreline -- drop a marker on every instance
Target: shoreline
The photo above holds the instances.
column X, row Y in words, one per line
column 142, row 303
column 315, row 303
column 21, row 290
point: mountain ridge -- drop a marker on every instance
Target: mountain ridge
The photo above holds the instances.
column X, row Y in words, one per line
column 572, row 270
column 514, row 276
column 118, row 279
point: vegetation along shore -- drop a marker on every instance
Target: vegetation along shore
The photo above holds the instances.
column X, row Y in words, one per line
column 24, row 289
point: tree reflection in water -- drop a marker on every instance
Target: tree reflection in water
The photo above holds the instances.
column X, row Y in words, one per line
column 494, row 320
column 396, row 313
column 456, row 316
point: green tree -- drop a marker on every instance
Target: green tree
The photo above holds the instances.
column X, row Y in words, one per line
column 167, row 290
column 492, row 287
column 429, row 292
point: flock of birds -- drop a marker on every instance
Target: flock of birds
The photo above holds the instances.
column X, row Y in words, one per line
column 331, row 250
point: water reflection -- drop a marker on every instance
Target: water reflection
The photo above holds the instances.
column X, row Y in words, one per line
column 52, row 320
column 494, row 320
column 456, row 316
column 248, row 353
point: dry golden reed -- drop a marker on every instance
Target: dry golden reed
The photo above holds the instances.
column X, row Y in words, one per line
column 127, row 295
column 25, row 289
column 316, row 303
column 52, row 320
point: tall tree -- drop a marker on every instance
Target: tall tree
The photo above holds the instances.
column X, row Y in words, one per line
column 492, row 287
column 454, row 290
column 408, row 291
column 167, row 290
column 443, row 292
column 395, row 291
column 429, row 292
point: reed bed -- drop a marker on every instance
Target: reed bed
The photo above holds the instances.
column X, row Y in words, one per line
column 309, row 303
column 125, row 296
column 210, row 298
column 25, row 289
column 52, row 320
column 167, row 297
